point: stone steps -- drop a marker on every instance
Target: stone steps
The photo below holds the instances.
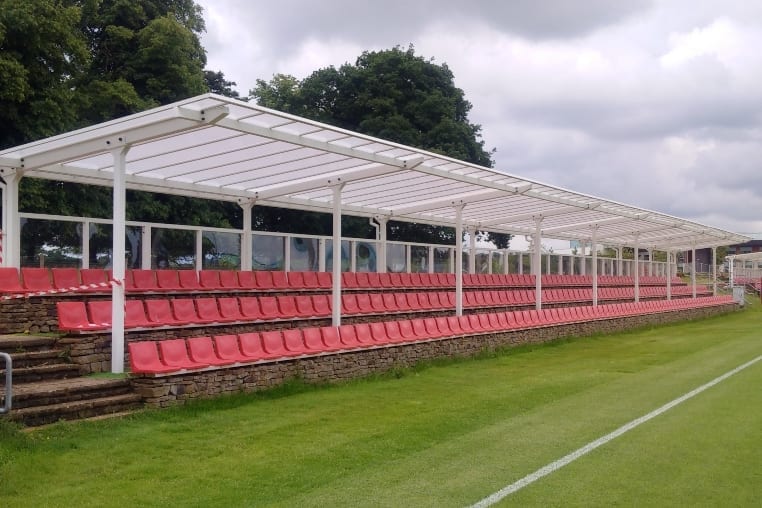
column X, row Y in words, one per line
column 76, row 410
column 48, row 388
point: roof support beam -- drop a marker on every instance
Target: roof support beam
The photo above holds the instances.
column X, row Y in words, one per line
column 434, row 204
column 531, row 215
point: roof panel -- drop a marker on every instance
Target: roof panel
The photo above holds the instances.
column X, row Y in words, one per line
column 212, row 142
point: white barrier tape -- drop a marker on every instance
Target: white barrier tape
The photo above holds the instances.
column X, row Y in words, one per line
column 73, row 289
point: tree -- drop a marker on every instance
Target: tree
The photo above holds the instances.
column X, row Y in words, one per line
column 41, row 54
column 394, row 95
column 216, row 83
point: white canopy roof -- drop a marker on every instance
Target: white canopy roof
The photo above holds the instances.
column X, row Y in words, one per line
column 220, row 148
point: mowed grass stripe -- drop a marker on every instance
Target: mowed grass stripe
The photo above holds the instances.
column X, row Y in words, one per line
column 441, row 436
column 603, row 440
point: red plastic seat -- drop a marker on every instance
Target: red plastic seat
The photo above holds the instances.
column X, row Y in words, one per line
column 96, row 279
column 168, row 280
column 210, row 280
column 287, row 307
column 325, row 280
column 349, row 280
column 377, row 332
column 377, row 302
column 174, row 353
column 407, row 332
column 432, row 329
column 364, row 304
column 310, row 280
column 331, row 339
column 251, row 346
column 280, row 280
column 304, row 308
column 349, row 304
column 65, row 278
column 390, row 302
column 208, row 310
column 268, row 306
column 348, row 337
column 246, row 279
column 393, row 332
column 419, row 329
column 9, row 280
column 201, row 350
column 272, row 343
column 144, row 358
column 229, row 279
column 406, row 280
column 294, row 342
column 313, row 340
column 36, row 279
column 375, row 280
column 72, row 316
column 322, row 305
column 188, row 279
column 365, row 334
column 250, row 307
column 228, row 348
column 160, row 313
column 144, row 280
column 185, row 311
column 100, row 312
column 229, row 309
column 135, row 315
column 363, row 282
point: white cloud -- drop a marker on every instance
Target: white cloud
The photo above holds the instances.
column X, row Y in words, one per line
column 655, row 104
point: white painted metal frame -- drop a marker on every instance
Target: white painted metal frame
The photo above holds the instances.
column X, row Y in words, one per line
column 220, row 148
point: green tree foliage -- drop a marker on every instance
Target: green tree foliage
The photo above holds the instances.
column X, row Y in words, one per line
column 216, row 83
column 395, row 95
column 41, row 53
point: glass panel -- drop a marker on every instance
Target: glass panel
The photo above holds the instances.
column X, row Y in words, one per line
column 268, row 252
column 133, row 246
column 498, row 262
column 100, row 245
column 221, row 250
column 51, row 243
column 566, row 262
column 481, row 264
column 466, row 256
column 419, row 258
column 170, row 248
column 344, row 255
column 513, row 263
column 442, row 260
column 365, row 257
column 544, row 262
column 305, row 254
column 527, row 262
column 396, row 260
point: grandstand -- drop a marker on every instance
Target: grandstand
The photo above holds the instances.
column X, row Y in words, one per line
column 375, row 301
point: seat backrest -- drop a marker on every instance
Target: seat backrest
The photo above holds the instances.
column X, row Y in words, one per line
column 207, row 308
column 64, row 278
column 201, row 349
column 272, row 342
column 167, row 279
column 251, row 345
column 250, row 307
column 312, row 339
column 292, row 339
column 36, row 279
column 184, row 310
column 287, row 306
column 227, row 347
column 188, row 279
column 72, row 316
column 246, row 279
column 280, row 280
column 209, row 279
column 95, row 276
column 9, row 279
column 135, row 314
column 264, row 279
column 100, row 312
column 144, row 279
column 229, row 279
column 229, row 308
column 330, row 336
column 159, row 311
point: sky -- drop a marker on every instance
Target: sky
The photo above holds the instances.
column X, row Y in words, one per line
column 653, row 103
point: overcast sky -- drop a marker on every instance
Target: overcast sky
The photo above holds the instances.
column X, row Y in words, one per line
column 656, row 104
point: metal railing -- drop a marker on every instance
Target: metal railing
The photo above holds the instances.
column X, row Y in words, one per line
column 8, row 383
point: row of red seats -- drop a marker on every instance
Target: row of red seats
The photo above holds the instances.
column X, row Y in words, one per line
column 96, row 315
column 606, row 280
column 178, row 355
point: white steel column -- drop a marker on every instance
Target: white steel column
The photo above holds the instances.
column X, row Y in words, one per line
column 336, row 288
column 669, row 276
column 636, row 275
column 594, row 252
column 521, row 264
column 619, row 261
column 583, row 261
column 199, row 250
column 537, row 268
column 459, row 260
column 145, row 247
column 714, row 271
column 85, row 244
column 117, row 260
column 650, row 262
column 246, row 249
column 693, row 269
column 381, row 264
column 11, row 223
column 471, row 250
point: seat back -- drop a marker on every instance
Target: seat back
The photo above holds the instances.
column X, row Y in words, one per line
column 36, row 279
column 65, row 278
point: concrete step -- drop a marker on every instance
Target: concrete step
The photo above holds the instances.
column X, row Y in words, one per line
column 44, row 372
column 76, row 410
column 59, row 391
column 17, row 343
column 35, row 358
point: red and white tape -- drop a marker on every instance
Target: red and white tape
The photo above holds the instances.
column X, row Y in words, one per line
column 73, row 289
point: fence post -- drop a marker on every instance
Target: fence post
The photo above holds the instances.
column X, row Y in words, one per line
column 8, row 383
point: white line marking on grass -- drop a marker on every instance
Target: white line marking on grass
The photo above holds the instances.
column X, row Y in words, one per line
column 554, row 466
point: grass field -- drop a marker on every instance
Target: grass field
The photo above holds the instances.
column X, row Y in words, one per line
column 446, row 434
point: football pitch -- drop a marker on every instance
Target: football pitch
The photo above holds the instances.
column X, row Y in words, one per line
column 451, row 433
